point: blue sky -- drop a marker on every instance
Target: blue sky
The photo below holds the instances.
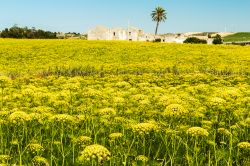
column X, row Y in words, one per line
column 81, row 15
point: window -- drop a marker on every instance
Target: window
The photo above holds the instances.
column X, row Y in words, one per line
column 114, row 33
column 129, row 33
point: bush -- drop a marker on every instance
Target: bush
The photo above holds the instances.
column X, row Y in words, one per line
column 157, row 40
column 217, row 40
column 194, row 40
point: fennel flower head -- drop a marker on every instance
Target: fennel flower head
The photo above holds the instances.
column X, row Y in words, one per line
column 63, row 118
column 247, row 121
column 37, row 117
column 197, row 131
column 141, row 158
column 4, row 81
column 115, row 136
column 40, row 161
column 4, row 158
column 224, row 131
column 123, row 84
column 176, row 110
column 244, row 145
column 83, row 140
column 94, row 152
column 107, row 111
column 168, row 100
column 217, row 102
column 14, row 142
column 119, row 100
column 144, row 128
column 19, row 117
column 34, row 148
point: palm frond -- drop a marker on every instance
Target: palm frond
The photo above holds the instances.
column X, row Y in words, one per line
column 159, row 14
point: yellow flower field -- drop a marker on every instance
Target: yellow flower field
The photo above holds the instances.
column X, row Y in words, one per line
column 73, row 102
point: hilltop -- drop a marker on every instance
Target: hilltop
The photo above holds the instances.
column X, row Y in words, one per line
column 238, row 37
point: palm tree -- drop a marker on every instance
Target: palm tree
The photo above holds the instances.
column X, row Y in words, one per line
column 158, row 15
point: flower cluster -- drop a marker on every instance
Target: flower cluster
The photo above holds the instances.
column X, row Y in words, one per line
column 107, row 111
column 40, row 161
column 95, row 152
column 19, row 117
column 174, row 110
column 229, row 93
column 115, row 136
column 14, row 142
column 57, row 143
column 4, row 158
column 63, row 118
column 224, row 131
column 83, row 140
column 4, row 81
column 217, row 102
column 34, row 148
column 119, row 100
column 92, row 93
column 37, row 117
column 168, row 100
column 141, row 158
column 197, row 131
column 144, row 128
column 244, row 145
column 123, row 84
column 247, row 121
column 207, row 122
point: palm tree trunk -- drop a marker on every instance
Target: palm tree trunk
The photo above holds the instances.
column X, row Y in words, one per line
column 156, row 29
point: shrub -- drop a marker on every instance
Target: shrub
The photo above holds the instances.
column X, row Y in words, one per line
column 194, row 40
column 217, row 40
column 157, row 40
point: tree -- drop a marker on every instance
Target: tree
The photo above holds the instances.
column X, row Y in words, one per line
column 26, row 33
column 194, row 40
column 158, row 15
column 217, row 39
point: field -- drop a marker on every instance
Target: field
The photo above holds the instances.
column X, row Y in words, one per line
column 242, row 36
column 73, row 102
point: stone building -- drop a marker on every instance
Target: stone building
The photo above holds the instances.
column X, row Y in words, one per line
column 129, row 34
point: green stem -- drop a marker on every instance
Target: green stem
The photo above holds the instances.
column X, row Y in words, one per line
column 51, row 145
column 144, row 145
column 62, row 148
column 195, row 151
column 2, row 98
column 20, row 155
column 230, row 150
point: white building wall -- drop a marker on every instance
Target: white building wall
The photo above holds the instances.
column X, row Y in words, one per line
column 122, row 35
column 132, row 34
column 180, row 40
column 169, row 39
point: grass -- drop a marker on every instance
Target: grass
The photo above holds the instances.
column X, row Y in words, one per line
column 238, row 37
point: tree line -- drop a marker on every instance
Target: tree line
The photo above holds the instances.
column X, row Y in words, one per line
column 27, row 33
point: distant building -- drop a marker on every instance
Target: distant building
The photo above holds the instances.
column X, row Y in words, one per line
column 136, row 34
column 70, row 35
column 129, row 34
column 181, row 37
column 173, row 38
